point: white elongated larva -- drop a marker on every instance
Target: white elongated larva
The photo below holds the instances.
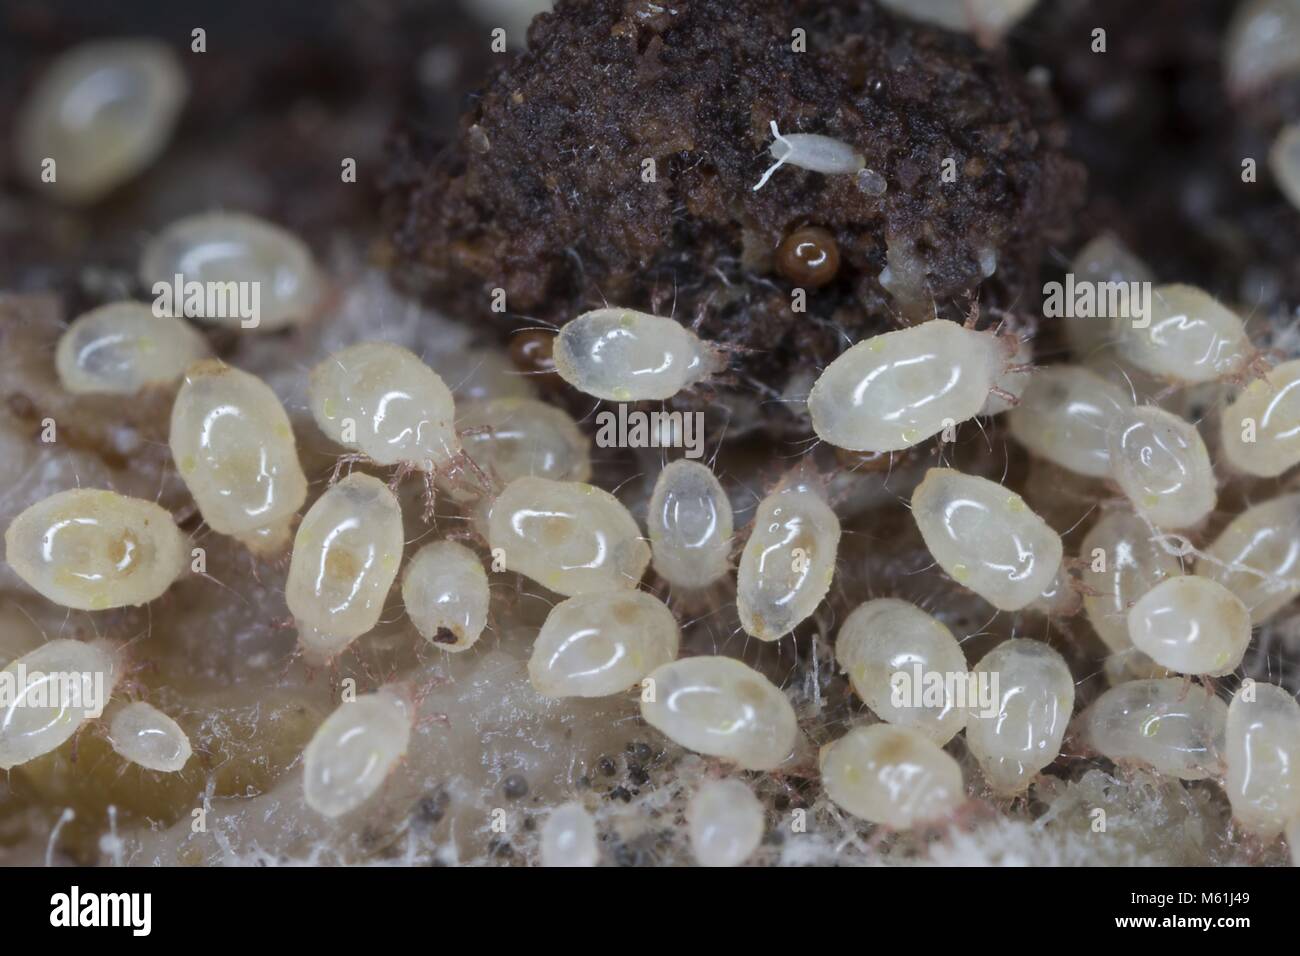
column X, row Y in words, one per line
column 986, row 538
column 355, row 749
column 571, row 537
column 625, row 356
column 53, row 690
column 569, row 837
column 234, row 448
column 1284, row 161
column 1260, row 429
column 1262, row 754
column 690, row 525
column 1022, row 733
column 594, row 645
column 511, row 438
column 265, row 275
column 895, row 776
column 144, row 735
column 1064, row 416
column 1103, row 260
column 886, row 638
column 1161, row 463
column 1185, row 336
column 788, row 561
column 987, row 19
column 381, row 400
column 725, row 823
column 894, row 390
column 123, row 348
column 1171, row 725
column 811, row 151
column 445, row 590
column 1257, row 556
column 1263, row 45
column 1121, row 562
column 91, row 550
column 103, row 112
column 1009, row 385
column 721, row 707
column 1192, row 625
column 345, row 557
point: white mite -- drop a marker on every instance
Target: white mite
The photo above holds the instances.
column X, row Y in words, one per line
column 345, row 557
column 625, row 356
column 788, row 561
column 355, row 749
column 235, row 449
column 690, row 525
column 1257, row 556
column 986, row 538
column 1065, row 415
column 1284, row 161
column 1192, row 625
column 1186, row 337
column 571, row 537
column 91, row 550
column 123, row 348
column 445, row 590
column 895, row 776
column 249, row 260
column 1162, row 465
column 1023, row 732
column 144, row 735
column 725, row 823
column 886, row 637
column 382, row 401
column 1268, row 413
column 987, row 19
column 811, row 151
column 1103, row 260
column 721, row 707
column 594, row 645
column 569, row 837
column 52, row 691
column 1171, row 725
column 891, row 391
column 511, row 438
column 1121, row 563
column 1263, row 758
column 103, row 111
column 1262, row 46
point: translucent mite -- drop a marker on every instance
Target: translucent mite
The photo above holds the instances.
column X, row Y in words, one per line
column 445, row 590
column 1263, row 45
column 235, row 270
column 103, row 112
column 1162, row 465
column 721, row 707
column 1186, row 337
column 986, row 538
column 1022, row 733
column 1263, row 758
column 569, row 837
column 511, row 438
column 594, row 645
column 1121, row 562
column 892, row 391
column 382, row 401
column 725, row 823
column 355, row 749
column 1257, row 556
column 123, row 348
column 91, row 550
column 144, row 735
column 1170, row 725
column 1260, row 430
column 1192, row 625
column 690, row 525
column 1284, row 161
column 625, row 356
column 1065, row 415
column 345, row 557
column 895, row 776
column 1103, row 260
column 987, row 19
column 811, row 151
column 235, row 449
column 788, row 561
column 889, row 647
column 53, row 690
column 568, row 536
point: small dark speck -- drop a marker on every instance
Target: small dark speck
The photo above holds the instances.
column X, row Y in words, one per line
column 621, row 793
column 514, row 787
column 636, row 775
column 606, row 766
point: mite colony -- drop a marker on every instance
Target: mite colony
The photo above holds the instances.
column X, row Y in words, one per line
column 1174, row 618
